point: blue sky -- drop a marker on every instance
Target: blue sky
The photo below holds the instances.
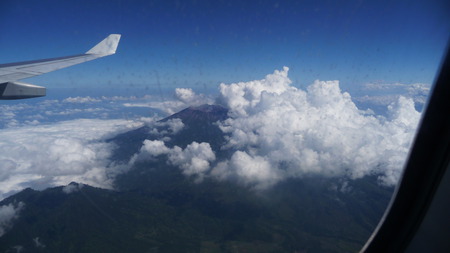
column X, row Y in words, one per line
column 202, row 43
column 378, row 50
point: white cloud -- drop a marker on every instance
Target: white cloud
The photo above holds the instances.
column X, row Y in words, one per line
column 413, row 88
column 13, row 114
column 391, row 92
column 190, row 98
column 87, row 99
column 276, row 131
column 282, row 132
column 195, row 159
column 70, row 188
column 136, row 105
column 154, row 148
column 250, row 170
column 383, row 100
column 171, row 126
column 9, row 113
column 57, row 154
column 184, row 97
column 122, row 98
column 243, row 96
column 73, row 111
column 37, row 243
column 8, row 213
column 175, row 125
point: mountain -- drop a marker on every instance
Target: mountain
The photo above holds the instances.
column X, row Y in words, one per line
column 155, row 208
column 199, row 125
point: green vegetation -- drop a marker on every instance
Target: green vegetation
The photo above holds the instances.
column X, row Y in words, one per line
column 165, row 212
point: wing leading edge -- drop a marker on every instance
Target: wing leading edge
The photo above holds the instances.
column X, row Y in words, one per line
column 12, row 72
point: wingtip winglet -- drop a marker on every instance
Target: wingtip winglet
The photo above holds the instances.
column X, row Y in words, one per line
column 107, row 46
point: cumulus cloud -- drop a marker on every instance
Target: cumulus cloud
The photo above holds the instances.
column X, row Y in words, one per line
column 250, row 170
column 57, row 154
column 163, row 128
column 281, row 131
column 8, row 213
column 243, row 96
column 172, row 126
column 195, row 159
column 154, row 148
column 9, row 113
column 185, row 95
column 189, row 98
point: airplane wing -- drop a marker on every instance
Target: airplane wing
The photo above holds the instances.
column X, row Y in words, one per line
column 12, row 72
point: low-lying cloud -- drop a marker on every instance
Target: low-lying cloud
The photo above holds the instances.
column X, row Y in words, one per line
column 57, row 154
column 168, row 127
column 8, row 213
column 195, row 159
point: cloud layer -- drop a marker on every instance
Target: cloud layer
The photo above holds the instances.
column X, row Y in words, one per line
column 183, row 97
column 57, row 154
column 384, row 94
column 275, row 131
column 8, row 213
column 35, row 112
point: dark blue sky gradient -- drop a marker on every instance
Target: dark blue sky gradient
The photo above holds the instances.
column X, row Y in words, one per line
column 202, row 43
